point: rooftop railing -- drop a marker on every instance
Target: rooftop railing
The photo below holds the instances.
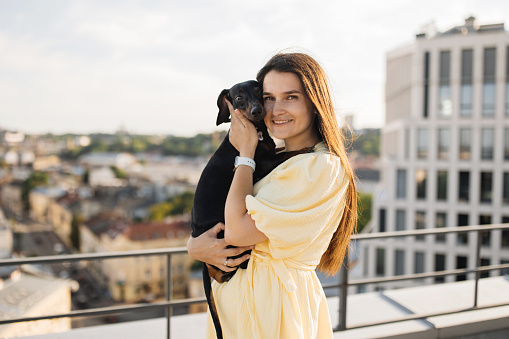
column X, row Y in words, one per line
column 343, row 285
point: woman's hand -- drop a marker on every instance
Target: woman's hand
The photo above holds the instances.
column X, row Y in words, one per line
column 243, row 134
column 211, row 250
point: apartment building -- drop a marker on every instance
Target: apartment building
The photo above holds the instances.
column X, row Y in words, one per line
column 445, row 153
column 137, row 278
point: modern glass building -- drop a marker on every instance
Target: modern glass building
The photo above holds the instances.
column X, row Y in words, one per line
column 445, row 152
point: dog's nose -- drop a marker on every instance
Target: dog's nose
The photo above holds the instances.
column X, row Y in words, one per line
column 256, row 111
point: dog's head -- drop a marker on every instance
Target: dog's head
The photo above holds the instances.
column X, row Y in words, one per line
column 246, row 97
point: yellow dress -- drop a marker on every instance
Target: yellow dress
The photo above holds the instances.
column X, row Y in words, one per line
column 298, row 206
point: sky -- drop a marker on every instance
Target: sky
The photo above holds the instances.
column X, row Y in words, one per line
column 157, row 67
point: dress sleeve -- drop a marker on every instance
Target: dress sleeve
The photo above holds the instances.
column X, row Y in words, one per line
column 298, row 202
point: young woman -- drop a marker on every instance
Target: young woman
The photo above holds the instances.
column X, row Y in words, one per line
column 297, row 218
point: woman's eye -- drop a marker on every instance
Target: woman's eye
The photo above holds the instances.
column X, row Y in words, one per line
column 291, row 97
column 268, row 99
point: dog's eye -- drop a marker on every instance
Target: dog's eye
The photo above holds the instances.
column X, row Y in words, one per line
column 239, row 98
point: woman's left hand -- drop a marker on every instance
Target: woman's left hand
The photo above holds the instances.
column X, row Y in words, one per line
column 243, row 134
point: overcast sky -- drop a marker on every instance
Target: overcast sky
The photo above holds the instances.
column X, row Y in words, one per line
column 87, row 66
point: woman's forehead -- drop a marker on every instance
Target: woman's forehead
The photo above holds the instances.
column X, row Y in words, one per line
column 281, row 82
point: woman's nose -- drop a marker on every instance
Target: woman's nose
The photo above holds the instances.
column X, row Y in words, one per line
column 278, row 107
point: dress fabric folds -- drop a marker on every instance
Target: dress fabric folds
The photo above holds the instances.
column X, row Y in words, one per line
column 298, row 206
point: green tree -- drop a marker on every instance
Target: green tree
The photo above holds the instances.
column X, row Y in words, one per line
column 120, row 174
column 177, row 205
column 36, row 179
column 364, row 201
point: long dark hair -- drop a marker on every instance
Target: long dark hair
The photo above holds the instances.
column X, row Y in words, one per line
column 314, row 81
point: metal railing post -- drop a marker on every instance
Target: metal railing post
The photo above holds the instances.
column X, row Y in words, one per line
column 477, row 264
column 343, row 294
column 168, row 296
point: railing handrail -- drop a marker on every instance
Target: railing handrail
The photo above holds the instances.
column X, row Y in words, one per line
column 429, row 231
column 92, row 256
column 343, row 285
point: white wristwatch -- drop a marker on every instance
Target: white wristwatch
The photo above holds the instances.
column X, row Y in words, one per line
column 244, row 161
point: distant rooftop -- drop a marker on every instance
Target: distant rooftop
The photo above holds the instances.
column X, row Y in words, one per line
column 25, row 293
column 470, row 26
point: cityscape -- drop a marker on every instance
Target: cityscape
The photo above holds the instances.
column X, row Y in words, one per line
column 440, row 161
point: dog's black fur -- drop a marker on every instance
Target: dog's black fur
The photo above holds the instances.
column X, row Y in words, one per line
column 216, row 178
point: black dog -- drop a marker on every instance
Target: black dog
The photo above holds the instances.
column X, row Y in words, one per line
column 217, row 176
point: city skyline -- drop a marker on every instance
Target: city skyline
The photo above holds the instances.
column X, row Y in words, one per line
column 157, row 67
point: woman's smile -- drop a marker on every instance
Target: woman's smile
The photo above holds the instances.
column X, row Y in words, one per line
column 280, row 122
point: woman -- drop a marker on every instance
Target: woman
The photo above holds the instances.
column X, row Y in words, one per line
column 298, row 217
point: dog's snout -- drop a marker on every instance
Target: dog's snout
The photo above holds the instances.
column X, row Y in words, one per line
column 257, row 111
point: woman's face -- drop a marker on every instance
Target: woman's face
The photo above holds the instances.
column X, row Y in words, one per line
column 290, row 114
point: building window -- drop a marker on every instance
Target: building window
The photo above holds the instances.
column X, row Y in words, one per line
column 418, row 262
column 461, row 262
column 464, row 186
column 462, row 238
column 400, row 220
column 485, row 262
column 380, row 262
column 445, row 101
column 422, row 143
column 485, row 219
column 466, row 100
column 381, row 221
column 439, row 266
column 465, row 143
column 420, row 179
column 507, row 82
column 487, row 140
column 440, row 222
column 401, row 184
column 486, row 187
column 466, row 83
column 420, row 224
column 505, row 234
column 426, row 84
column 443, row 143
column 488, row 93
column 442, row 185
column 444, row 90
column 399, row 263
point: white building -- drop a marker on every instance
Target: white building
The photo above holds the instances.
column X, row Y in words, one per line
column 445, row 152
column 31, row 296
column 120, row 160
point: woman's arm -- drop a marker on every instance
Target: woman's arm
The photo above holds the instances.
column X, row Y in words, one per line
column 211, row 250
column 240, row 229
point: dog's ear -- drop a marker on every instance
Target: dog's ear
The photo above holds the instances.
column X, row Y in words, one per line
column 224, row 112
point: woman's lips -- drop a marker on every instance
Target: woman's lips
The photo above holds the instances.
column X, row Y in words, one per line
column 280, row 122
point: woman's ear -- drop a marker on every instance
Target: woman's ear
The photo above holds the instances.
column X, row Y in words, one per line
column 224, row 112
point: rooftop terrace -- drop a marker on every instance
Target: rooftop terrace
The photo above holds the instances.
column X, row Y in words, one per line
column 468, row 309
column 362, row 309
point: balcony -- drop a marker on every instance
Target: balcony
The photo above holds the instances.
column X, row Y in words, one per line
column 467, row 309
